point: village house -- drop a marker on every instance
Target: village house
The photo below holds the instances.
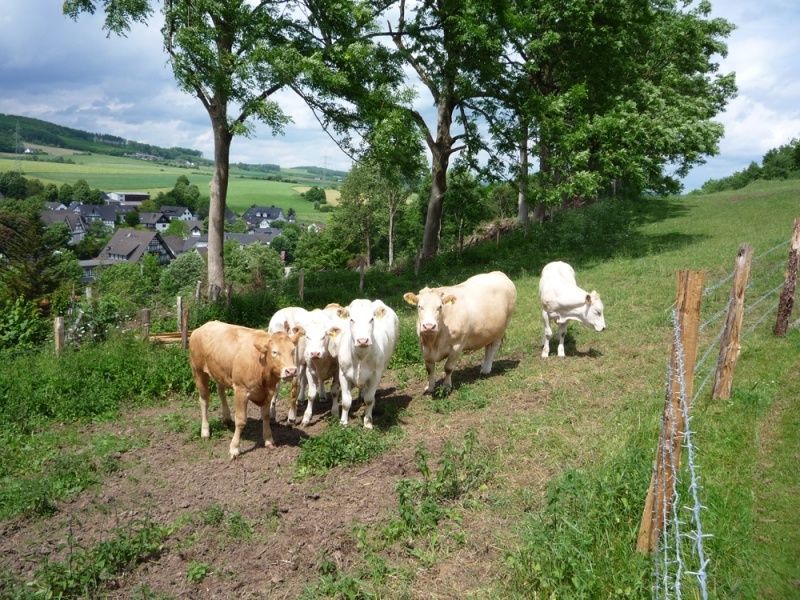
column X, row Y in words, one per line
column 176, row 213
column 262, row 217
column 127, row 245
column 74, row 222
column 156, row 221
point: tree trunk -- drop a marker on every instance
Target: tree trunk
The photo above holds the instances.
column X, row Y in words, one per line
column 216, row 209
column 522, row 184
column 369, row 250
column 440, row 151
column 391, row 237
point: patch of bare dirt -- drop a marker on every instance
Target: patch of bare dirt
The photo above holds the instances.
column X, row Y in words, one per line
column 296, row 523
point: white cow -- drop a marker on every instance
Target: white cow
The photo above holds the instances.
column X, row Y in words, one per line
column 563, row 301
column 459, row 318
column 321, row 349
column 288, row 319
column 368, row 336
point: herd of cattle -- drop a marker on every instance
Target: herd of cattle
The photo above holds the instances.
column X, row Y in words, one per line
column 351, row 346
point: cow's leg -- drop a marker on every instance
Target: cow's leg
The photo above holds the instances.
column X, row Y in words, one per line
column 223, row 400
column 449, row 367
column 548, row 333
column 369, row 401
column 273, row 404
column 201, row 383
column 488, row 357
column 239, row 418
column 312, row 391
column 430, row 367
column 266, row 430
column 294, row 394
column 347, row 400
column 562, row 332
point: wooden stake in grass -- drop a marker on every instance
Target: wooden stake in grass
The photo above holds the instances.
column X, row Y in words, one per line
column 668, row 453
column 184, row 329
column 145, row 316
column 786, row 302
column 729, row 346
column 58, row 334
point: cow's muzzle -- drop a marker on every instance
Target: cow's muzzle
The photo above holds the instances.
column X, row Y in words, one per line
column 289, row 372
column 363, row 342
column 428, row 327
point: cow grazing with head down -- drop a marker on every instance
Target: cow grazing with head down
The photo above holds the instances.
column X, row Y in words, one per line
column 250, row 361
column 289, row 319
column 469, row 316
column 563, row 301
column 368, row 334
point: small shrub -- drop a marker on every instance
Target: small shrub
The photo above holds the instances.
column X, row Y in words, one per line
column 21, row 325
column 197, row 571
column 213, row 515
column 336, row 446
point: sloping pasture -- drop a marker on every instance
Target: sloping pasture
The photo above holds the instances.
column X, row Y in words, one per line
column 527, row 483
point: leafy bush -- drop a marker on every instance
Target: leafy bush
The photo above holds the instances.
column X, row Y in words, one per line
column 407, row 352
column 251, row 309
column 181, row 274
column 336, row 446
column 92, row 382
column 21, row 325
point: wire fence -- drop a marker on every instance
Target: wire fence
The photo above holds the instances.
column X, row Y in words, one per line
column 681, row 565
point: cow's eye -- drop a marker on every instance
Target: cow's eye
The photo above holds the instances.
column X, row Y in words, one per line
column 372, row 320
column 274, row 353
column 352, row 320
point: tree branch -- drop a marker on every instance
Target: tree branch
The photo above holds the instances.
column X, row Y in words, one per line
column 247, row 108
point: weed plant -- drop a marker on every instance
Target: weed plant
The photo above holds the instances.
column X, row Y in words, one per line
column 339, row 445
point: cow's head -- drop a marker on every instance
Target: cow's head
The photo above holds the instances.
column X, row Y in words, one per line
column 430, row 304
column 361, row 315
column 316, row 334
column 278, row 354
column 594, row 311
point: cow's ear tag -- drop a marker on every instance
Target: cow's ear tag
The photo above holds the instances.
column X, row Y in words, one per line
column 334, row 331
column 449, row 299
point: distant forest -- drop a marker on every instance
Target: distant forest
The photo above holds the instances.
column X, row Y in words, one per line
column 35, row 131
column 779, row 163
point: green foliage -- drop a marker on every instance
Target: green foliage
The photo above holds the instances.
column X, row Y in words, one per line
column 248, row 308
column 21, row 325
column 92, row 382
column 407, row 352
column 89, row 571
column 253, row 265
column 778, row 163
column 423, row 503
column 197, row 571
column 181, row 275
column 238, row 527
column 315, row 195
column 92, row 321
column 583, row 544
column 337, row 446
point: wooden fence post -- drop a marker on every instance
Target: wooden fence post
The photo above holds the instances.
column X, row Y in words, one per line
column 301, row 284
column 729, row 346
column 361, row 277
column 145, row 316
column 786, row 302
column 689, row 295
column 179, row 314
column 197, row 290
column 184, row 326
column 58, row 334
column 88, row 292
column 228, row 294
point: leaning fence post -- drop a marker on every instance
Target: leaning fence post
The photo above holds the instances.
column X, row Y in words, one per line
column 786, row 302
column 145, row 316
column 58, row 334
column 301, row 284
column 729, row 346
column 197, row 291
column 228, row 294
column 689, row 295
column 184, row 327
column 179, row 305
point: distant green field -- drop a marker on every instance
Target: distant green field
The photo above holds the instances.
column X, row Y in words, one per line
column 110, row 173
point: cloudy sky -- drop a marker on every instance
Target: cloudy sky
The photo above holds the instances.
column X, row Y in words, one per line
column 69, row 73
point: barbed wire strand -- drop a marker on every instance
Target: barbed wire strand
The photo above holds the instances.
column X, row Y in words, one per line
column 761, row 318
column 693, row 478
column 771, row 250
column 673, row 462
column 761, row 299
column 716, row 315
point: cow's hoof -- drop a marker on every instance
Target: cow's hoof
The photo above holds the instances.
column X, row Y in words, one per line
column 204, row 433
column 234, row 452
column 367, row 424
column 305, row 422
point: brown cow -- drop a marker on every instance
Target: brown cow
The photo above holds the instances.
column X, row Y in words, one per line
column 251, row 361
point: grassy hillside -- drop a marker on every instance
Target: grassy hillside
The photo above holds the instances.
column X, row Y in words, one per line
column 543, row 501
column 110, row 173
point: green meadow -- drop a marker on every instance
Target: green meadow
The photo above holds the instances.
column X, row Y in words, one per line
column 110, row 173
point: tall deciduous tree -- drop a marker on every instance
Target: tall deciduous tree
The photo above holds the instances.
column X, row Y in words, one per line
column 231, row 55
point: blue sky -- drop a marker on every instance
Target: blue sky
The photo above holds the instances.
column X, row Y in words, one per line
column 70, row 73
